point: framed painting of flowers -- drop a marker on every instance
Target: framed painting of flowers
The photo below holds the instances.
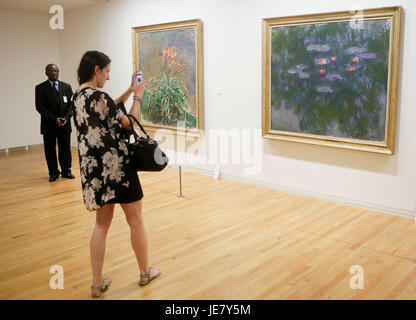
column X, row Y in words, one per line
column 331, row 79
column 170, row 57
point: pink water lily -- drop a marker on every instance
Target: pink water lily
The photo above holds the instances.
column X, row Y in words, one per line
column 321, row 61
column 355, row 60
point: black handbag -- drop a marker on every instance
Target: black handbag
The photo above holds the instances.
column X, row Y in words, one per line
column 144, row 152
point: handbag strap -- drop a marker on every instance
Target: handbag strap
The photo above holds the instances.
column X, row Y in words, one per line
column 132, row 131
column 136, row 136
column 132, row 126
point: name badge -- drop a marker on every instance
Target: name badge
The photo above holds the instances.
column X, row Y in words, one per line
column 65, row 99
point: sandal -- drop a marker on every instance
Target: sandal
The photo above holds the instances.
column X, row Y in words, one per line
column 102, row 287
column 147, row 275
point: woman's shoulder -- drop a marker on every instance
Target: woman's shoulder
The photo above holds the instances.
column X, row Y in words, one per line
column 92, row 94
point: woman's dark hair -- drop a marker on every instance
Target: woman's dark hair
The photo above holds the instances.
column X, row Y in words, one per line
column 89, row 61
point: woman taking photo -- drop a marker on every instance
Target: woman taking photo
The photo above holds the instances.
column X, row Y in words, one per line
column 107, row 175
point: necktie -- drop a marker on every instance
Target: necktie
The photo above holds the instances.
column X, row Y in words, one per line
column 55, row 85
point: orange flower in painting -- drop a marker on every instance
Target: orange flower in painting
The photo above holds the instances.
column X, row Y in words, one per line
column 180, row 67
column 333, row 59
column 169, row 54
column 322, row 72
column 350, row 68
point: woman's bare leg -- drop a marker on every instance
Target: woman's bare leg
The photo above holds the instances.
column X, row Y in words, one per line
column 103, row 220
column 138, row 235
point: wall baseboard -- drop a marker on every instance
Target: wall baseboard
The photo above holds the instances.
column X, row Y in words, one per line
column 21, row 148
column 304, row 192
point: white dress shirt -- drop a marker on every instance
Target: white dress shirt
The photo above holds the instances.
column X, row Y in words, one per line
column 52, row 84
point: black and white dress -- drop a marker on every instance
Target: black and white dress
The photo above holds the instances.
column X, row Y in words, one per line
column 107, row 175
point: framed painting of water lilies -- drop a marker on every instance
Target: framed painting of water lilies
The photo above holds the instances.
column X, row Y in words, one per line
column 170, row 57
column 331, row 79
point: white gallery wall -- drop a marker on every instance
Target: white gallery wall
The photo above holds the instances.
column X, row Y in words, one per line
column 232, row 80
column 27, row 46
column 232, row 51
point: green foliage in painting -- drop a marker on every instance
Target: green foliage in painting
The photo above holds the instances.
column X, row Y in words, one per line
column 166, row 102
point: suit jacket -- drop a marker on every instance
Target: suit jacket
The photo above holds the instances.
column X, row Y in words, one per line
column 50, row 104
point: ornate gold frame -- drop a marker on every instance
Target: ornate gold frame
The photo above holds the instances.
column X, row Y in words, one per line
column 386, row 147
column 197, row 24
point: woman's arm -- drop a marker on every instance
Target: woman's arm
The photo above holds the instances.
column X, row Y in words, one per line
column 134, row 111
column 124, row 96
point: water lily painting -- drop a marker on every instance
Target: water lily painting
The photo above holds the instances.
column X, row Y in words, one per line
column 169, row 55
column 332, row 82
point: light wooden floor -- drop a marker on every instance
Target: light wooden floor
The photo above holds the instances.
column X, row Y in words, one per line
column 224, row 240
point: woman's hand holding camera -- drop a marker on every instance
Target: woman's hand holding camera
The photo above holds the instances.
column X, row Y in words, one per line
column 137, row 88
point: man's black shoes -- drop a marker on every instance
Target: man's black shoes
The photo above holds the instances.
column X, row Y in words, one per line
column 68, row 175
column 53, row 178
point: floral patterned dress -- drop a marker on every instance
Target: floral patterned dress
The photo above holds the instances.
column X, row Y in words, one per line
column 106, row 173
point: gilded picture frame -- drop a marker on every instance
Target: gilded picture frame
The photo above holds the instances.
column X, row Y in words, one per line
column 170, row 57
column 331, row 79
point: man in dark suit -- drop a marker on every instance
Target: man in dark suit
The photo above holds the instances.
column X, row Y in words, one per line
column 53, row 99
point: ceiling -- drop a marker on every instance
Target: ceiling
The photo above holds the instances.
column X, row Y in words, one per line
column 44, row 5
